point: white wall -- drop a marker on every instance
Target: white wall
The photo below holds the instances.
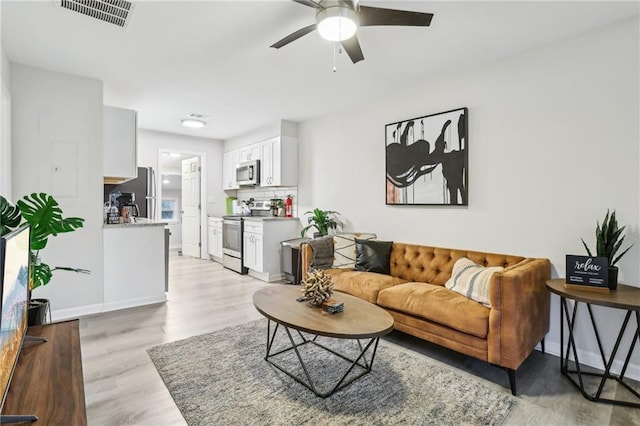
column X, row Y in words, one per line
column 150, row 142
column 5, row 125
column 553, row 142
column 51, row 113
column 254, row 136
column 280, row 128
column 5, row 141
column 5, row 68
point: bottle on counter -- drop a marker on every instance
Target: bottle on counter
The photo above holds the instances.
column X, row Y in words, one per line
column 114, row 216
column 105, row 212
column 125, row 215
column 289, row 206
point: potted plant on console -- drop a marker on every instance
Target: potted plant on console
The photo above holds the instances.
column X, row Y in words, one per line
column 322, row 221
column 44, row 214
column 609, row 239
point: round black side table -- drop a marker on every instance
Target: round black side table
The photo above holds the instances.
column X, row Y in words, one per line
column 626, row 298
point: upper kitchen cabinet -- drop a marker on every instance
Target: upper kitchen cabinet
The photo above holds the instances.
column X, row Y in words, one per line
column 250, row 153
column 230, row 162
column 120, row 161
column 279, row 161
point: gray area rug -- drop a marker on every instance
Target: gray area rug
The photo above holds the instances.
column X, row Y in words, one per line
column 222, row 378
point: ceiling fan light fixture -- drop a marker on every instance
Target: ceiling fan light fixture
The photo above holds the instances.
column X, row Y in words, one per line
column 193, row 123
column 336, row 23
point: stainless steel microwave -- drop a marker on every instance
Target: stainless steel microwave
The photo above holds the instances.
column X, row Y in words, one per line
column 248, row 173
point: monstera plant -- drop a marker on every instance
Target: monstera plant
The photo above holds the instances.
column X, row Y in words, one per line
column 322, row 220
column 44, row 214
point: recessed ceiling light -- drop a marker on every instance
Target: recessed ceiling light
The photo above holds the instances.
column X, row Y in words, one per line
column 193, row 123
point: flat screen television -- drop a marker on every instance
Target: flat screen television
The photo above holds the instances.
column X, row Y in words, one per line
column 14, row 296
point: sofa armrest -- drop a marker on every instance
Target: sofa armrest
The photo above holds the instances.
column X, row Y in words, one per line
column 306, row 254
column 519, row 316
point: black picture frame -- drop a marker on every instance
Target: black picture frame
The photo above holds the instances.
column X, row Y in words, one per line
column 432, row 168
column 588, row 271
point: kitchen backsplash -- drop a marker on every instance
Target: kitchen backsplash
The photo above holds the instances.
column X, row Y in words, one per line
column 266, row 194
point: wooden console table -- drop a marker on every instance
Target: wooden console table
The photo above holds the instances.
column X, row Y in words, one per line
column 48, row 381
column 626, row 298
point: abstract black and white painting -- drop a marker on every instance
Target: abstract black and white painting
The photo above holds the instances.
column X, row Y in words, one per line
column 427, row 161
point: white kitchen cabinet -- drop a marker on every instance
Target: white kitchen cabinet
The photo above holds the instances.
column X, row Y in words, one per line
column 250, row 153
column 262, row 245
column 120, row 160
column 279, row 161
column 253, row 257
column 215, row 238
column 230, row 162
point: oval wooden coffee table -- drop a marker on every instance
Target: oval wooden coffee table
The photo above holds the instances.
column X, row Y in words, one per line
column 359, row 320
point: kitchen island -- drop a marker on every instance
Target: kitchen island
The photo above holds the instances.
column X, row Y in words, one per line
column 135, row 265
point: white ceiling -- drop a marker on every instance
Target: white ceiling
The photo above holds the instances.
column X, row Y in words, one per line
column 213, row 57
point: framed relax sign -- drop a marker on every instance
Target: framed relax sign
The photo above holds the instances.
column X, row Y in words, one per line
column 588, row 271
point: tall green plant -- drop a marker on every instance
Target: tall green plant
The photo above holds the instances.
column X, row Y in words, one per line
column 44, row 214
column 322, row 220
column 609, row 239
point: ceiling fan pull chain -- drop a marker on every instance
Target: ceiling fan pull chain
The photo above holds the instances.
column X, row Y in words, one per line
column 335, row 43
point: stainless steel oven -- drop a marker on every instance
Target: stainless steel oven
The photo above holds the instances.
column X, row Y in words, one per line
column 232, row 250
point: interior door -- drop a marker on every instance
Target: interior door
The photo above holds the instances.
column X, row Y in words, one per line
column 191, row 207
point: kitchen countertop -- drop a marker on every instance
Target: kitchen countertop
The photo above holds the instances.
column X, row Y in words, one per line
column 139, row 222
column 268, row 218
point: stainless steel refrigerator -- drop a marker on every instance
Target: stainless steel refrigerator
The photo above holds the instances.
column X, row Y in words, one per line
column 143, row 188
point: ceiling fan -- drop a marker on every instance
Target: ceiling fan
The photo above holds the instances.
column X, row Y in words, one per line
column 338, row 20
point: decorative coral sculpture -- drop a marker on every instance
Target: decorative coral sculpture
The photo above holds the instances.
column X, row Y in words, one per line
column 318, row 287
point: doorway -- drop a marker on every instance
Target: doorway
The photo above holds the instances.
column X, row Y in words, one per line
column 185, row 235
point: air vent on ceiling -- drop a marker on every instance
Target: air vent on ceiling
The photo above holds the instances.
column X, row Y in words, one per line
column 114, row 12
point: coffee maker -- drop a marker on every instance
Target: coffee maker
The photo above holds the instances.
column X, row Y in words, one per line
column 127, row 201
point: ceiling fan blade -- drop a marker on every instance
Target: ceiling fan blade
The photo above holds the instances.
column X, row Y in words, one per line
column 294, row 36
column 370, row 16
column 352, row 47
column 309, row 3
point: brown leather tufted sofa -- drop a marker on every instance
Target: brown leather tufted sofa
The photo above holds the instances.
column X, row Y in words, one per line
column 415, row 295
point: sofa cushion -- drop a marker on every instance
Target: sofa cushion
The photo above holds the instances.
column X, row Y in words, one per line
column 472, row 280
column 437, row 304
column 373, row 256
column 434, row 264
column 344, row 249
column 364, row 285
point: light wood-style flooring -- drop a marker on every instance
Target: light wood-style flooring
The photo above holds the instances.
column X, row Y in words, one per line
column 122, row 386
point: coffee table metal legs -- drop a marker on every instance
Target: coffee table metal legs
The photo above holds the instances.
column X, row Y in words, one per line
column 571, row 347
column 360, row 362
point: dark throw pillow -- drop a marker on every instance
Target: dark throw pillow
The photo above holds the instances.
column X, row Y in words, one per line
column 373, row 256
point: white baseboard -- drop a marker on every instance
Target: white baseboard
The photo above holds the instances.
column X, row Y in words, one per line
column 276, row 277
column 72, row 313
column 81, row 311
column 595, row 360
column 132, row 303
column 265, row 276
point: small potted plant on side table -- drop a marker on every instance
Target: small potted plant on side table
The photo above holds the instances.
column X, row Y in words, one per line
column 609, row 239
column 322, row 220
